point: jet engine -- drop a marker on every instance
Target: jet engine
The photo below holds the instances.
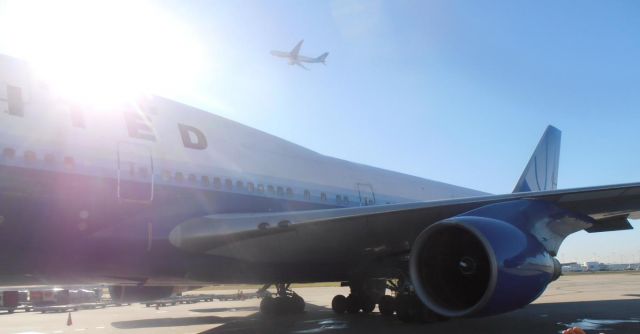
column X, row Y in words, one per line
column 474, row 265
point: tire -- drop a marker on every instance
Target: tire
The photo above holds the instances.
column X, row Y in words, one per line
column 339, row 304
column 408, row 308
column 387, row 305
column 297, row 304
column 268, row 306
column 353, row 304
column 367, row 305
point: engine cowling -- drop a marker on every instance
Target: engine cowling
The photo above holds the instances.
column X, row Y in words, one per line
column 130, row 294
column 471, row 266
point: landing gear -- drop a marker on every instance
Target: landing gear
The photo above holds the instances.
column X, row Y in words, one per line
column 387, row 305
column 285, row 302
column 363, row 297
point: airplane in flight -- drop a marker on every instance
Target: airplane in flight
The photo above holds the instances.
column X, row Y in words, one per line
column 155, row 195
column 295, row 58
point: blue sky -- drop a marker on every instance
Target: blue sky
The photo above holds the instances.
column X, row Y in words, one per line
column 456, row 91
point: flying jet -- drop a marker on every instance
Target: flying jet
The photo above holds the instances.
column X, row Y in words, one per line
column 156, row 194
column 295, row 58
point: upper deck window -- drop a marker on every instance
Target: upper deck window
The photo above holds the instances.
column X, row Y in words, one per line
column 289, row 192
column 307, row 194
column 323, row 197
column 280, row 191
column 250, row 187
column 271, row 190
column 217, row 183
column 228, row 184
column 239, row 185
column 260, row 188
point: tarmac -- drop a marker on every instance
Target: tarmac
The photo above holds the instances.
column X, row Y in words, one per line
column 598, row 303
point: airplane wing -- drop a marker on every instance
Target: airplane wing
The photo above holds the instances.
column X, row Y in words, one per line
column 280, row 54
column 300, row 64
column 354, row 234
column 296, row 50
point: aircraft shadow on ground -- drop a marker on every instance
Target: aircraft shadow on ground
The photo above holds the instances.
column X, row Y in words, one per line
column 171, row 322
column 226, row 309
column 611, row 316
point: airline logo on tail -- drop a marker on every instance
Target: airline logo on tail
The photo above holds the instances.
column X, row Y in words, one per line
column 295, row 58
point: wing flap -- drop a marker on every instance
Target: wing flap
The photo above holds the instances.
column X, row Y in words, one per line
column 615, row 223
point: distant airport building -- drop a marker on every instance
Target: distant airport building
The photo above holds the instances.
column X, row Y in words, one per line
column 592, row 266
column 572, row 267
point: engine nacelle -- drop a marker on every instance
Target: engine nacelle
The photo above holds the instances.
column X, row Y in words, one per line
column 130, row 294
column 471, row 265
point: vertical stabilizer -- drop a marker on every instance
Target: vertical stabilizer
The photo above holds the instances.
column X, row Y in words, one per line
column 541, row 172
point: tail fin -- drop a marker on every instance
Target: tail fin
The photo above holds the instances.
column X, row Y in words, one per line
column 541, row 172
column 323, row 57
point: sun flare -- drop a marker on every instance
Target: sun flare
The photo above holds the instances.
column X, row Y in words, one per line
column 101, row 51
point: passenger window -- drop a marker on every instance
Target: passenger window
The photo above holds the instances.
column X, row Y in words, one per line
column 228, row 184
column 239, row 185
column 260, row 188
column 280, row 191
column 323, row 197
column 338, row 199
column 205, row 180
column 217, row 183
column 289, row 192
column 345, row 199
column 271, row 190
column 14, row 99
column 69, row 162
column 9, row 153
column 193, row 178
column 307, row 195
column 30, row 156
column 250, row 187
column 179, row 176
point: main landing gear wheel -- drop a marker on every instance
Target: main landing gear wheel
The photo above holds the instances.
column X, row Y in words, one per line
column 285, row 302
column 387, row 305
column 363, row 297
column 339, row 304
column 410, row 309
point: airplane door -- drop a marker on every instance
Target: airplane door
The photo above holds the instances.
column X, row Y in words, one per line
column 135, row 173
column 367, row 196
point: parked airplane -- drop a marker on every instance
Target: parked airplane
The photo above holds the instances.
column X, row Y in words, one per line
column 295, row 58
column 157, row 194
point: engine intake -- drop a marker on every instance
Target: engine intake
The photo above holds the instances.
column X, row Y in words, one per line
column 471, row 265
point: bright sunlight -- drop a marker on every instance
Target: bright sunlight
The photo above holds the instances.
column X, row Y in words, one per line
column 101, row 52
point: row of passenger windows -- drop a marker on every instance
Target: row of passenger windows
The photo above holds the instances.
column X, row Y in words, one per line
column 30, row 156
column 238, row 185
column 228, row 184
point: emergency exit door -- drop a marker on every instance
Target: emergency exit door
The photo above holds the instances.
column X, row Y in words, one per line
column 135, row 173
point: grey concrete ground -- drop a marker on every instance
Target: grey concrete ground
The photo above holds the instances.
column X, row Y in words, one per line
column 599, row 303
